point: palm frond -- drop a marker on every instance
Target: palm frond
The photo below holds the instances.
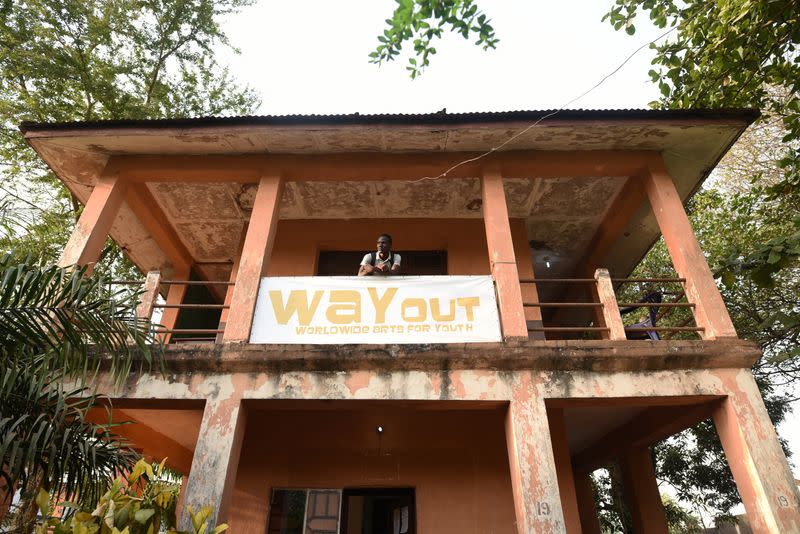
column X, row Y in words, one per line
column 59, row 326
column 43, row 429
column 70, row 319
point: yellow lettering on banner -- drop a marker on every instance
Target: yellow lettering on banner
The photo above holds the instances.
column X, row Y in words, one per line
column 469, row 303
column 435, row 312
column 382, row 303
column 347, row 308
column 419, row 304
column 297, row 303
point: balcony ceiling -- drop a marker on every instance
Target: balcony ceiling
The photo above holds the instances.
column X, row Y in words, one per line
column 562, row 214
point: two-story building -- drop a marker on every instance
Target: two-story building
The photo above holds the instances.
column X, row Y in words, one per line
column 475, row 394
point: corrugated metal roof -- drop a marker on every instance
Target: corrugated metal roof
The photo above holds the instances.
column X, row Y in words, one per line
column 441, row 117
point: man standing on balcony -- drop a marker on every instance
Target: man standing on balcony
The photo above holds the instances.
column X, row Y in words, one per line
column 383, row 262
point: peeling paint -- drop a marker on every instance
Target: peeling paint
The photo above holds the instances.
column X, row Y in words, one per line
column 530, row 450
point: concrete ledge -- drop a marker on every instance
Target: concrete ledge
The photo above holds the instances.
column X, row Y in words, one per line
column 603, row 356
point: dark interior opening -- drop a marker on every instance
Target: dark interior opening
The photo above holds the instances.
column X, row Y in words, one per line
column 189, row 318
column 414, row 262
column 378, row 511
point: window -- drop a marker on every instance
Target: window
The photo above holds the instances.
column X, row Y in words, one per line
column 303, row 511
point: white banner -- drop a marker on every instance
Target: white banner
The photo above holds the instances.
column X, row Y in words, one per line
column 377, row 310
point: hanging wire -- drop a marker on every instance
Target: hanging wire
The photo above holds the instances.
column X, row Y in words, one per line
column 548, row 115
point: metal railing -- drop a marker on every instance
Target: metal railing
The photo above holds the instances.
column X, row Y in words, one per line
column 605, row 320
column 568, row 315
column 172, row 307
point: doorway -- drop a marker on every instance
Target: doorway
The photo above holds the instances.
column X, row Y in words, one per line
column 378, row 511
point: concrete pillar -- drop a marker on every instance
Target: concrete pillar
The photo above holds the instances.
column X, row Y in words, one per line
column 530, row 293
column 502, row 260
column 564, row 475
column 216, row 460
column 89, row 237
column 590, row 522
column 690, row 263
column 641, row 492
column 254, row 259
column 534, row 483
column 759, row 467
column 180, row 507
column 609, row 316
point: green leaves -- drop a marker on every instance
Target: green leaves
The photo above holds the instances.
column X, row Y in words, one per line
column 46, row 439
column 422, row 22
column 742, row 54
column 142, row 503
column 86, row 60
column 63, row 317
column 767, row 259
column 739, row 227
column 60, row 325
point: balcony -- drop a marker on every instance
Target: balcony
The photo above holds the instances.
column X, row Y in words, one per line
column 542, row 217
column 574, row 309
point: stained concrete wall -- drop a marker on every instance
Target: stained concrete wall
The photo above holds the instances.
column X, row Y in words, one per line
column 233, row 379
column 455, row 460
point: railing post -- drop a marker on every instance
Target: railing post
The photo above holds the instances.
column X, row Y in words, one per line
column 149, row 296
column 610, row 316
column 710, row 312
column 175, row 295
column 223, row 316
column 502, row 260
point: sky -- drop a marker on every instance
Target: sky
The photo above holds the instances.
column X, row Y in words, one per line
column 311, row 57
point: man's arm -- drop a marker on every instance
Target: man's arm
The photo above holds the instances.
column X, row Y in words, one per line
column 366, row 268
column 395, row 270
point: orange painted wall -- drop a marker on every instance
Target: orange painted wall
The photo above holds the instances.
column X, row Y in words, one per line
column 298, row 242
column 456, row 460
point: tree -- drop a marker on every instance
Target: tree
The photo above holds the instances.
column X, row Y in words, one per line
column 59, row 326
column 86, row 60
column 731, row 214
column 735, row 54
column 424, row 21
column 82, row 60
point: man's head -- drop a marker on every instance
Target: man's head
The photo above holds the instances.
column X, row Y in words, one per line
column 384, row 243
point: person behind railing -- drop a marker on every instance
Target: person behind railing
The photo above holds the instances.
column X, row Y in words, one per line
column 382, row 262
column 652, row 316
